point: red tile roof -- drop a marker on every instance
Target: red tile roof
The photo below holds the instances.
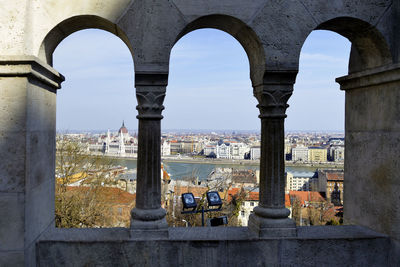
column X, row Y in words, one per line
column 334, row 176
column 287, row 200
column 309, row 196
column 111, row 195
column 252, row 196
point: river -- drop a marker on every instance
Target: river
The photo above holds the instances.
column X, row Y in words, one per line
column 178, row 170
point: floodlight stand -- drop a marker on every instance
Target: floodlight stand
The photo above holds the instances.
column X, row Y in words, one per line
column 202, row 212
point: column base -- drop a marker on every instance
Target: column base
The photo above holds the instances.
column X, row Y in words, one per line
column 272, row 227
column 149, row 224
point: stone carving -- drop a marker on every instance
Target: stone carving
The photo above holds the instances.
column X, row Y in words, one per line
column 273, row 103
column 274, row 93
column 150, row 104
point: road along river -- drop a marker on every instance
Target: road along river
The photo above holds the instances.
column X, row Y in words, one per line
column 179, row 169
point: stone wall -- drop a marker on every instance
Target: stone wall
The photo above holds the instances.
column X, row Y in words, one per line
column 221, row 246
column 272, row 33
column 372, row 145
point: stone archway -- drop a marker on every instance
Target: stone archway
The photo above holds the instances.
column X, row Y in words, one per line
column 74, row 24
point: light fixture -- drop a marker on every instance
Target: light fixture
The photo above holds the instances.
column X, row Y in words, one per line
column 188, row 201
column 214, row 199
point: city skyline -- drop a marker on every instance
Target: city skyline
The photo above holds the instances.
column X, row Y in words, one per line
column 206, row 65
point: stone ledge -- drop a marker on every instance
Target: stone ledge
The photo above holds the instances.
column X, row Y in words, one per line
column 209, row 233
column 377, row 76
column 30, row 66
column 329, row 245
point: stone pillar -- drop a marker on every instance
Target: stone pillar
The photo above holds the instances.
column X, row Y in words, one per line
column 148, row 218
column 371, row 168
column 27, row 152
column 270, row 218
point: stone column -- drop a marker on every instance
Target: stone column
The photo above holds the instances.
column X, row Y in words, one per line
column 372, row 163
column 148, row 218
column 27, row 152
column 270, row 218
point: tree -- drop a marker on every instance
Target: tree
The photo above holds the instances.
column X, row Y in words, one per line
column 296, row 209
column 82, row 198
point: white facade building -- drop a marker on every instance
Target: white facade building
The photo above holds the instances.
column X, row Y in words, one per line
column 245, row 210
column 238, row 150
column 300, row 153
column 338, row 153
column 255, row 152
column 300, row 181
column 165, row 149
column 223, row 151
column 210, row 148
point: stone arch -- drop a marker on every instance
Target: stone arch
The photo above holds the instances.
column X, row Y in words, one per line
column 74, row 24
column 369, row 47
column 241, row 32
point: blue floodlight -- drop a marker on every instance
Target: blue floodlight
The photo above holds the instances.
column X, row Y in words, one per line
column 188, row 201
column 214, row 199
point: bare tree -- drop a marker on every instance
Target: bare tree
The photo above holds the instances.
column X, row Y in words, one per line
column 81, row 180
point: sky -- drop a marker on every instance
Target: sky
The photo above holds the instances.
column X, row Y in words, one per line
column 208, row 88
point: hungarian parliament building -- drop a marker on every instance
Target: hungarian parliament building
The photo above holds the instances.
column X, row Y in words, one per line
column 121, row 144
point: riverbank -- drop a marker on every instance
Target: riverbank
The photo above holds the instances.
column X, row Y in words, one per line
column 330, row 165
column 333, row 165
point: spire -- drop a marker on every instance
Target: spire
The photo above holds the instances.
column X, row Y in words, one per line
column 121, row 144
column 108, row 142
column 123, row 123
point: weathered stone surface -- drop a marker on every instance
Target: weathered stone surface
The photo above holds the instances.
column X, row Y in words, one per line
column 39, row 213
column 346, row 245
column 12, row 258
column 13, row 92
column 28, row 153
column 243, row 10
column 164, row 21
column 322, row 11
column 12, row 163
column 376, row 106
column 282, row 44
column 374, row 179
column 12, row 223
column 45, row 15
column 372, row 145
column 12, row 20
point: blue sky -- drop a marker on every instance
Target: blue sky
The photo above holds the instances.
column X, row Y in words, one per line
column 209, row 85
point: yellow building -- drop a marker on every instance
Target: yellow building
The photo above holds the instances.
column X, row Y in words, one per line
column 317, row 154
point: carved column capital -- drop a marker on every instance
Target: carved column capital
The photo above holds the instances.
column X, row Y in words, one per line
column 274, row 93
column 150, row 103
column 150, row 93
